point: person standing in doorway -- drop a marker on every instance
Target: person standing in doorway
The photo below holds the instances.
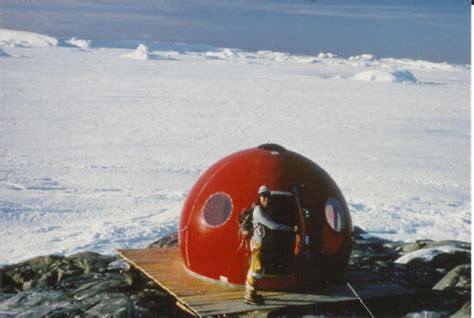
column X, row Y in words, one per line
column 261, row 219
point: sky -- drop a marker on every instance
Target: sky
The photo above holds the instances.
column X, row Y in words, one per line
column 435, row 30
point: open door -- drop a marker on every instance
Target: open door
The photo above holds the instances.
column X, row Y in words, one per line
column 279, row 246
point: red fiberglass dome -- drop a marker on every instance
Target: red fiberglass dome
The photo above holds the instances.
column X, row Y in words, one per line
column 302, row 194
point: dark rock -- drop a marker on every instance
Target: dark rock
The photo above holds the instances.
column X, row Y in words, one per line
column 69, row 311
column 358, row 232
column 129, row 278
column 170, row 240
column 442, row 255
column 50, row 279
column 79, row 285
column 33, row 303
column 458, row 277
column 27, row 285
column 427, row 314
column 91, row 262
column 6, row 282
column 64, row 274
column 100, row 283
column 118, row 265
column 442, row 260
column 449, row 261
column 464, row 311
column 17, row 278
column 42, row 261
column 150, row 294
column 90, row 284
column 112, row 305
column 59, row 275
column 411, row 247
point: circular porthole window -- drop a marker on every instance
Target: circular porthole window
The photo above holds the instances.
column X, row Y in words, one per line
column 335, row 215
column 217, row 209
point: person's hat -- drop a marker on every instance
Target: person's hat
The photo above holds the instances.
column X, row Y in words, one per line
column 263, row 190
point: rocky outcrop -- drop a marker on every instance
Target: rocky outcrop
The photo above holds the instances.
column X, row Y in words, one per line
column 170, row 240
column 90, row 284
column 463, row 312
column 442, row 266
column 458, row 278
column 85, row 284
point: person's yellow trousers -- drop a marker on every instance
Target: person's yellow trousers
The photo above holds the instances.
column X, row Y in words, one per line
column 255, row 270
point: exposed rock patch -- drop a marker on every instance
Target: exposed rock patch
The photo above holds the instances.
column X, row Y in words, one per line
column 168, row 241
column 81, row 284
column 90, row 284
column 458, row 278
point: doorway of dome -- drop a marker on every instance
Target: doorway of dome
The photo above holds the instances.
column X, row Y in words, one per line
column 278, row 247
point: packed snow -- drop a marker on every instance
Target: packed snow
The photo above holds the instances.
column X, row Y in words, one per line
column 99, row 151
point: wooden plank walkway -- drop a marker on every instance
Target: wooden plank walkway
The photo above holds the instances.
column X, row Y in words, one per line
column 203, row 298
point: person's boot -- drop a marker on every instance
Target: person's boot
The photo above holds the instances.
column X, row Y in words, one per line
column 251, row 297
column 259, row 299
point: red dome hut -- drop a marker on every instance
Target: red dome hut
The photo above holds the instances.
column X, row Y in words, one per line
column 302, row 194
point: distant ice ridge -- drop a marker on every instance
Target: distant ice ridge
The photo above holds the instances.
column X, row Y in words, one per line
column 390, row 76
column 274, row 56
column 82, row 44
column 170, row 51
column 363, row 60
column 26, row 39
column 326, row 55
column 362, row 57
column 224, row 54
column 142, row 53
column 395, row 67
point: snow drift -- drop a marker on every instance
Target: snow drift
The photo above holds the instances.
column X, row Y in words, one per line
column 82, row 44
column 26, row 39
column 386, row 76
column 142, row 53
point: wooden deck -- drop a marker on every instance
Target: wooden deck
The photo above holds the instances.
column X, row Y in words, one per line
column 202, row 298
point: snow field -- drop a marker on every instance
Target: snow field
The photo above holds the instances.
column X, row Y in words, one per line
column 99, row 151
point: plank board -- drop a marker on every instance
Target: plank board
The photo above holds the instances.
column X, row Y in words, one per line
column 203, row 298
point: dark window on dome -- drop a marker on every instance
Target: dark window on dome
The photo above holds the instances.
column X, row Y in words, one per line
column 217, row 209
column 335, row 215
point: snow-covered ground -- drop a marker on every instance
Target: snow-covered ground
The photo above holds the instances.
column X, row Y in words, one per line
column 98, row 151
